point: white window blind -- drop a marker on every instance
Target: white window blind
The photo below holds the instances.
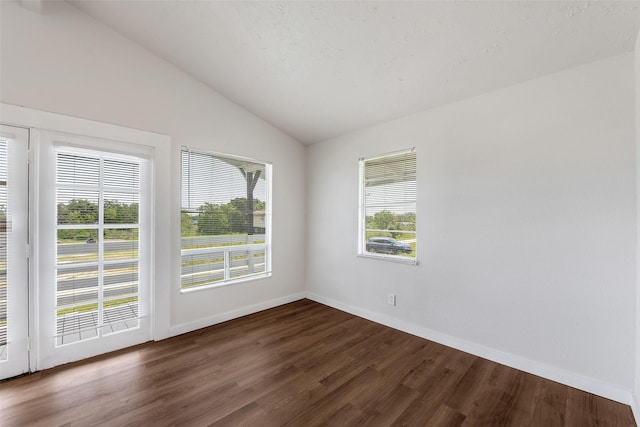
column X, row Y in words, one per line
column 225, row 219
column 98, row 197
column 388, row 206
column 4, row 208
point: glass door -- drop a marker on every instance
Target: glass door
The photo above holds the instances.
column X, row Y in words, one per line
column 94, row 248
column 14, row 252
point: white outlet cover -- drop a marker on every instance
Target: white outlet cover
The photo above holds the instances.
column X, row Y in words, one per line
column 391, row 299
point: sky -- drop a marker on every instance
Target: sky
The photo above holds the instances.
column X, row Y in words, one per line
column 207, row 179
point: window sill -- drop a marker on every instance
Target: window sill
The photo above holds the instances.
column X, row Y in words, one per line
column 392, row 258
column 227, row 283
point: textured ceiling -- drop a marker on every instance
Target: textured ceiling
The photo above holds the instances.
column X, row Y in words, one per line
column 320, row 69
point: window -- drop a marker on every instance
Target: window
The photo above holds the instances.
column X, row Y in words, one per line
column 98, row 262
column 4, row 233
column 388, row 206
column 225, row 219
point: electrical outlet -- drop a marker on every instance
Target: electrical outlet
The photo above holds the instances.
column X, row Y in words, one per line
column 391, row 299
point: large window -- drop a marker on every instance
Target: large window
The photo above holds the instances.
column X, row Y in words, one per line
column 225, row 219
column 388, row 206
column 98, row 263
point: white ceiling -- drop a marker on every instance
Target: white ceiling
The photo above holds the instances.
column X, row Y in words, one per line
column 318, row 69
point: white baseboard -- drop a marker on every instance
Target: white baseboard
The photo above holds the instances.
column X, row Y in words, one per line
column 233, row 314
column 553, row 373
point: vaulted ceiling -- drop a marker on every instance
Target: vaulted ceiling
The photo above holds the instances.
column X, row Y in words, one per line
column 318, row 69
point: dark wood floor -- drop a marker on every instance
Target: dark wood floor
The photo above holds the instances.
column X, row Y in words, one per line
column 301, row 364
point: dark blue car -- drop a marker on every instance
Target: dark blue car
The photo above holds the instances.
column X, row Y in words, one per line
column 387, row 245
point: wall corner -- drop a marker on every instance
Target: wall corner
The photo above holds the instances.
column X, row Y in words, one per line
column 635, row 405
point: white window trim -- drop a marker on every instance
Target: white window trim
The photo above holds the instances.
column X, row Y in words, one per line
column 267, row 246
column 361, row 250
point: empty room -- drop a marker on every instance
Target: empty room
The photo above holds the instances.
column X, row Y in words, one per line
column 311, row 213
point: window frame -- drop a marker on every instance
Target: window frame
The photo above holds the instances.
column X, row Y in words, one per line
column 47, row 143
column 362, row 208
column 226, row 250
column 144, row 256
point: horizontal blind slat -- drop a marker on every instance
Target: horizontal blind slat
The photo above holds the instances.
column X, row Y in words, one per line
column 216, row 215
column 388, row 205
column 98, row 201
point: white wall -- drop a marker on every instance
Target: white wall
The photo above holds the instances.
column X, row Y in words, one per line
column 68, row 63
column 526, row 226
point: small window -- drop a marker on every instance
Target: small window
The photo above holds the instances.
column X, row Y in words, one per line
column 225, row 220
column 388, row 206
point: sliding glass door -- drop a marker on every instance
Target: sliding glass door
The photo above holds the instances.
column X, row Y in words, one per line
column 14, row 252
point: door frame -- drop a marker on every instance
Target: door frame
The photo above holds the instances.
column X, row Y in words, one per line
column 51, row 354
column 160, row 147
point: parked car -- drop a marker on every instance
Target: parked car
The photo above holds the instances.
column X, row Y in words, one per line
column 387, row 245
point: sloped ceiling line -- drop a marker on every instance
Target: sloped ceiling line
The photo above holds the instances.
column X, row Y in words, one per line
column 321, row 69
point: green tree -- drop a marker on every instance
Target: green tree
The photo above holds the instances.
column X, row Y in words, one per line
column 237, row 213
column 78, row 211
column 240, row 203
column 187, row 225
column 384, row 220
column 387, row 220
column 407, row 221
column 212, row 220
column 235, row 217
column 120, row 213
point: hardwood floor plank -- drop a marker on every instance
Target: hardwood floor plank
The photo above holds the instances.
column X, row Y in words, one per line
column 300, row 364
column 324, row 408
column 436, row 388
column 512, row 405
column 445, row 416
column 250, row 414
column 385, row 408
column 470, row 387
column 550, row 405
